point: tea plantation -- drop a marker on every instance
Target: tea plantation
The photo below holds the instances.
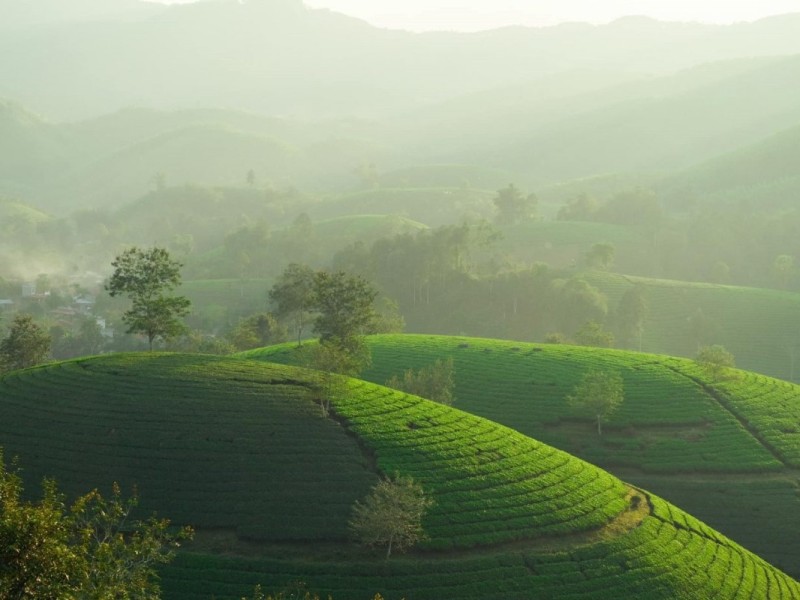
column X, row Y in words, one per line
column 726, row 452
column 239, row 450
column 758, row 325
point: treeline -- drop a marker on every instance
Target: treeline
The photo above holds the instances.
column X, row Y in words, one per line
column 448, row 281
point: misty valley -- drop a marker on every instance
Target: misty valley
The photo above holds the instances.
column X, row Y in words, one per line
column 296, row 307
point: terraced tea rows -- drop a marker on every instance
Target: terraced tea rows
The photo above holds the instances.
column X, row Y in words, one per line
column 201, row 438
column 756, row 325
column 490, row 483
column 670, row 555
column 239, row 448
column 524, row 386
column 676, row 433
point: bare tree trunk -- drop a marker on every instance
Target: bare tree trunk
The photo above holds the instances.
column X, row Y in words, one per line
column 389, row 549
column 599, row 425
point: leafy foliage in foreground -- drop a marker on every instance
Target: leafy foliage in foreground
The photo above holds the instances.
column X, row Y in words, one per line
column 49, row 550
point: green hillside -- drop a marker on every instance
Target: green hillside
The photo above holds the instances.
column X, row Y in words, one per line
column 199, row 154
column 759, row 326
column 725, row 452
column 238, row 449
column 762, row 174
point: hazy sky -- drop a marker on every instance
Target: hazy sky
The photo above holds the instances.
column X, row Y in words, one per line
column 472, row 15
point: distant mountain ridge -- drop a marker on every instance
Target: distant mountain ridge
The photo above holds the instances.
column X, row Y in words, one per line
column 280, row 57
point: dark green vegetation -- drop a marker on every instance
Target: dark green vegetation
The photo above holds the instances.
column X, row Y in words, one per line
column 237, row 448
column 50, row 550
column 677, row 432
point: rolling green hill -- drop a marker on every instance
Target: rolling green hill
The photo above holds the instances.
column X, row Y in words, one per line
column 727, row 453
column 762, row 175
column 238, row 448
column 759, row 326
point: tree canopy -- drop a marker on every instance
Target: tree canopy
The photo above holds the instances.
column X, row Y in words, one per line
column 26, row 344
column 599, row 393
column 89, row 549
column 715, row 360
column 391, row 515
column 145, row 275
column 435, row 382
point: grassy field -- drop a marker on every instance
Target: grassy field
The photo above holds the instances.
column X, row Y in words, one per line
column 239, row 449
column 750, row 322
column 676, row 433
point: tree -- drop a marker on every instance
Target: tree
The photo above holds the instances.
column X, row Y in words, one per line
column 513, row 207
column 782, row 269
column 715, row 360
column 49, row 550
column 293, row 295
column 631, row 314
column 434, row 382
column 593, row 334
column 600, row 393
column 26, row 344
column 601, row 256
column 145, row 275
column 333, row 363
column 391, row 515
column 345, row 307
column 256, row 331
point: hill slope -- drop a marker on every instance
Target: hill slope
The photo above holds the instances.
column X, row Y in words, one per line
column 758, row 325
column 726, row 452
column 239, row 449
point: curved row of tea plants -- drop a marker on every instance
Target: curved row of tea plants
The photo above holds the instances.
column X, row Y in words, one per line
column 226, row 443
column 759, row 326
column 668, row 421
column 721, row 450
column 670, row 555
column 236, row 445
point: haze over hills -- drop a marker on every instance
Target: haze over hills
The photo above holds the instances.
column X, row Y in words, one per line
column 259, row 56
column 605, row 124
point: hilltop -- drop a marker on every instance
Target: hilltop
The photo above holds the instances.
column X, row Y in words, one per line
column 726, row 452
column 239, row 449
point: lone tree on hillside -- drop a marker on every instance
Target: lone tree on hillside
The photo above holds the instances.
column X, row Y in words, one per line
column 26, row 345
column 512, row 207
column 293, row 295
column 260, row 329
column 145, row 275
column 391, row 515
column 599, row 393
column 333, row 364
column 593, row 334
column 715, row 361
column 86, row 550
column 601, row 256
column 434, row 382
column 345, row 306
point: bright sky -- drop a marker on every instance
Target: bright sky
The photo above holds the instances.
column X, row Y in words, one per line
column 473, row 15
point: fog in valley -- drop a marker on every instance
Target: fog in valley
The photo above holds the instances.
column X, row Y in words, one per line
column 571, row 178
